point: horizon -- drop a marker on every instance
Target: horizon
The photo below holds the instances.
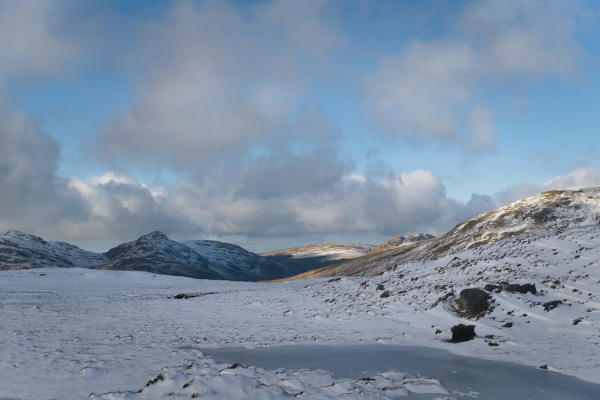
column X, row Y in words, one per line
column 269, row 124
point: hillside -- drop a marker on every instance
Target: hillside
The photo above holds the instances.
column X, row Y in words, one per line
column 20, row 250
column 306, row 258
column 553, row 210
column 400, row 241
column 235, row 263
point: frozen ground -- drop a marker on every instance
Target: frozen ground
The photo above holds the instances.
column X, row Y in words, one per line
column 68, row 333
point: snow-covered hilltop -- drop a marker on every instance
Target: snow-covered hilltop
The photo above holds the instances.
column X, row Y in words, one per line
column 399, row 241
column 20, row 250
column 158, row 254
column 154, row 252
column 236, row 263
column 553, row 210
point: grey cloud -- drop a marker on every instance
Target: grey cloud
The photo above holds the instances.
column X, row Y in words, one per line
column 436, row 90
column 34, row 198
column 216, row 81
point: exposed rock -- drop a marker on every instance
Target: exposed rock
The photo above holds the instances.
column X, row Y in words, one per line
column 551, row 305
column 474, row 302
column 462, row 333
column 400, row 241
column 516, row 288
column 508, row 325
column 492, row 288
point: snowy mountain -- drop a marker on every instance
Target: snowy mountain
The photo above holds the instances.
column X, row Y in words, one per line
column 402, row 241
column 235, row 263
column 20, row 250
column 156, row 253
column 553, row 210
column 307, row 258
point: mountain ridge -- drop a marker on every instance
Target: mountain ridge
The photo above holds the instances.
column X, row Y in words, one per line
column 554, row 209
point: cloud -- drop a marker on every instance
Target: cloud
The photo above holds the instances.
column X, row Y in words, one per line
column 215, row 80
column 323, row 201
column 438, row 90
column 581, row 177
column 34, row 198
column 29, row 42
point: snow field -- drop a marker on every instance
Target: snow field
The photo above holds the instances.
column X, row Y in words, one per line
column 67, row 333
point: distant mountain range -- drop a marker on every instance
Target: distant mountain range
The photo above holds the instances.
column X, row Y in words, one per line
column 553, row 210
column 156, row 253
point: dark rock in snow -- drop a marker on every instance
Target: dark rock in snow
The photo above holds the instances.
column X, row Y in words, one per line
column 508, row 325
column 462, row 333
column 551, row 305
column 516, row 288
column 491, row 288
column 474, row 302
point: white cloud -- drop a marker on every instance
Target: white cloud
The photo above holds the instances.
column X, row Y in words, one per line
column 581, row 177
column 437, row 90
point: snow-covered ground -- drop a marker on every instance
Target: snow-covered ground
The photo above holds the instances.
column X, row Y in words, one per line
column 68, row 333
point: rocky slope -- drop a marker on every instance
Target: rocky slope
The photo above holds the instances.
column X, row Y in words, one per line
column 399, row 241
column 20, row 250
column 307, row 258
column 553, row 210
column 158, row 254
column 235, row 263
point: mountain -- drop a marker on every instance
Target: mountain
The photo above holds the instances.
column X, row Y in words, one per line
column 235, row 263
column 20, row 250
column 553, row 210
column 158, row 254
column 402, row 241
column 317, row 255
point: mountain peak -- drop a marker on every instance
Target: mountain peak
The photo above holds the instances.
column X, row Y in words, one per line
column 156, row 235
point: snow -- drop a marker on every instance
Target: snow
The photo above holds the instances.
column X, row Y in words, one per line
column 24, row 250
column 331, row 251
column 68, row 333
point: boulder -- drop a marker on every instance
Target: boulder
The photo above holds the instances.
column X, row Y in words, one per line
column 516, row 288
column 462, row 333
column 551, row 305
column 474, row 302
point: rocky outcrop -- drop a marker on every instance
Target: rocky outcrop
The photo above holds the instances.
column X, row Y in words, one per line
column 399, row 241
column 462, row 333
column 512, row 288
column 551, row 305
column 473, row 302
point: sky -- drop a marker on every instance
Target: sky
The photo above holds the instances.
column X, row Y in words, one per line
column 280, row 123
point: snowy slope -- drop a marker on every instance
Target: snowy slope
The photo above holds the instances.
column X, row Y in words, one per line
column 20, row 250
column 298, row 260
column 554, row 210
column 156, row 253
column 235, row 263
column 330, row 251
column 402, row 241
column 75, row 332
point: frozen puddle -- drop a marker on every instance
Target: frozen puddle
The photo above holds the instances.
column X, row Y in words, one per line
column 463, row 377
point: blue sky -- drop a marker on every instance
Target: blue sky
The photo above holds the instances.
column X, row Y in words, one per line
column 280, row 123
